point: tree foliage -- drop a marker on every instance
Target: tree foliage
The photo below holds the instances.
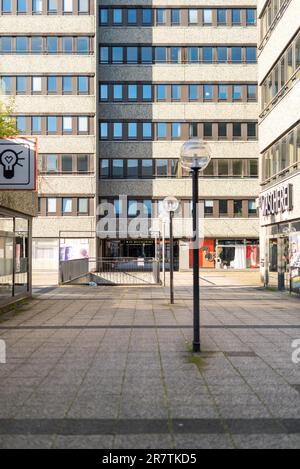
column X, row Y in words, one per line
column 8, row 124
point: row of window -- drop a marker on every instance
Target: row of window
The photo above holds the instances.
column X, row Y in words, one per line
column 176, row 54
column 143, row 92
column 282, row 158
column 58, row 125
column 213, row 208
column 169, row 167
column 51, row 84
column 65, row 206
column 46, row 44
column 50, row 7
column 177, row 16
column 270, row 14
column 278, row 80
column 65, row 163
column 177, row 130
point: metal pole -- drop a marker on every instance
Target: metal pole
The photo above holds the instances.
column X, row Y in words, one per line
column 164, row 252
column 196, row 288
column 171, row 260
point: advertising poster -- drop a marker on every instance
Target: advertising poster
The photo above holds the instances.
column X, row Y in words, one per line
column 295, row 262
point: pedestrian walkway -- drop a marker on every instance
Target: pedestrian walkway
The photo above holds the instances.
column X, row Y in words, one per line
column 111, row 367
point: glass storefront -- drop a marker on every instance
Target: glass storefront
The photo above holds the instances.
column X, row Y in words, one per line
column 228, row 254
column 14, row 252
column 283, row 256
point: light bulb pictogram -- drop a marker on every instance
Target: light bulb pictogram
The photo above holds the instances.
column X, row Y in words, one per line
column 9, row 159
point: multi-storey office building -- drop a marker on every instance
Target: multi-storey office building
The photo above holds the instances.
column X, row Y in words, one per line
column 279, row 74
column 128, row 83
column 48, row 65
column 170, row 71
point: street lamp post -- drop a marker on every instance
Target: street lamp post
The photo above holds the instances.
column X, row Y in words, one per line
column 170, row 205
column 195, row 157
column 164, row 217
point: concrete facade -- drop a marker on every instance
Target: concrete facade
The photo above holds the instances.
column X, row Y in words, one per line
column 280, row 145
column 226, row 228
column 63, row 192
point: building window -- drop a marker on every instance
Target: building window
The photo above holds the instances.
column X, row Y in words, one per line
column 193, row 93
column 207, row 92
column 193, row 16
column 161, row 91
column 132, row 168
column 252, row 207
column 237, row 93
column 207, row 130
column 83, row 84
column 207, row 16
column 67, row 45
column 160, row 16
column 147, row 92
column 6, row 6
column 51, row 124
column 67, row 85
column 250, row 55
column 117, row 131
column 132, row 55
column 21, row 84
column 146, row 55
column 132, row 130
column 21, row 44
column 193, row 54
column 36, row 84
column 132, row 92
column 147, row 130
column 147, row 168
column 83, row 6
column 36, row 44
column 161, row 54
column 222, row 130
column 36, row 125
column 147, row 16
column 175, row 16
column 66, row 205
column 52, row 164
column 238, row 208
column 52, row 84
column 221, row 16
column 82, row 163
column 132, row 16
column 104, row 16
column 104, row 168
column 104, row 55
column 67, row 6
column 161, row 129
column 176, row 130
column 21, row 6
column 103, row 130
column 236, row 16
column 208, row 207
column 207, row 53
column 223, row 208
column 52, row 6
column 52, row 44
column 236, row 54
column 67, row 124
column 82, row 45
column 250, row 16
column 222, row 92
column 176, row 92
column 66, row 163
column 117, row 92
column 103, row 92
column 117, row 168
column 221, row 55
column 51, row 205
column 237, row 130
column 83, row 206
column 117, row 16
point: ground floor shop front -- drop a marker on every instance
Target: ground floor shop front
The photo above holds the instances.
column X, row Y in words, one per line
column 281, row 260
column 15, row 253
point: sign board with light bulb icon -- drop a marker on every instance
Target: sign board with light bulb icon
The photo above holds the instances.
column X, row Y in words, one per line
column 18, row 163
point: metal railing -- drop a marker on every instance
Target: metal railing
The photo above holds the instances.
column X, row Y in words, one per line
column 110, row 271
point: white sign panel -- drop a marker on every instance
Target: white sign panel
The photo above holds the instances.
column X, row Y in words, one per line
column 18, row 163
column 278, row 200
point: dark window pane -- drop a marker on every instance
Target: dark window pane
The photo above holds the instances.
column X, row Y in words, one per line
column 237, row 130
column 207, row 129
